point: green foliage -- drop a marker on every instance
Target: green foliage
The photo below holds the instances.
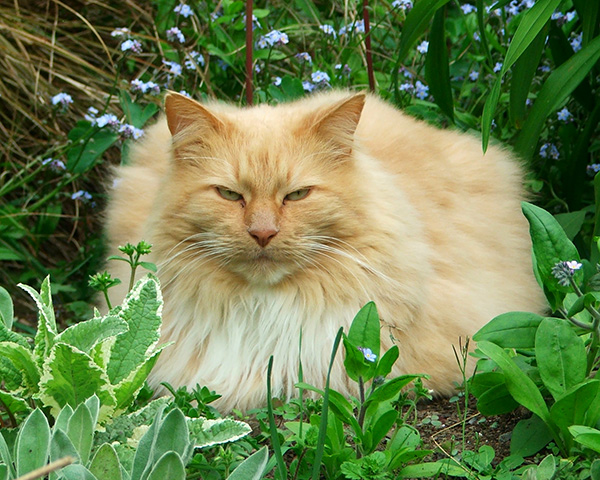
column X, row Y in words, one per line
column 545, row 364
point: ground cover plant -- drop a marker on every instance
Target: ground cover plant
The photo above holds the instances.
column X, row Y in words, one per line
column 81, row 81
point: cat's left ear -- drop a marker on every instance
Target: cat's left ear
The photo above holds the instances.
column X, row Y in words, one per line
column 337, row 123
column 183, row 112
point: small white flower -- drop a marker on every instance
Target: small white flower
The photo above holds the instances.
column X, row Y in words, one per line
column 120, row 32
column 174, row 67
column 108, row 119
column 307, row 86
column 473, row 75
column 62, row 99
column 328, row 30
column 277, row 81
column 564, row 115
column 319, row 77
column 497, row 67
column 402, row 4
column 81, row 195
column 305, row 56
column 468, row 8
column 175, row 34
column 421, row 90
column 131, row 45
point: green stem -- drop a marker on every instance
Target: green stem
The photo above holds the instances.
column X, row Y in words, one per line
column 105, row 291
column 361, row 413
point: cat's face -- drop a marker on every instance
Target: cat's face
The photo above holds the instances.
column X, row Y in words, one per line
column 262, row 192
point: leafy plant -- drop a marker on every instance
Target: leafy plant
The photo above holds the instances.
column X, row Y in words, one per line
column 96, row 356
column 535, row 357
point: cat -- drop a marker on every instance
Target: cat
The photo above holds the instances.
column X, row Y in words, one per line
column 271, row 220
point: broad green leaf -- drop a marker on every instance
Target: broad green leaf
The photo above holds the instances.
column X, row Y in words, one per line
column 173, row 435
column 85, row 335
column 437, row 70
column 520, row 386
column 70, row 376
column 136, row 114
column 142, row 461
column 529, row 437
column 141, row 310
column 89, row 143
column 93, row 404
column 381, row 427
column 105, row 464
column 384, row 367
column 432, row 470
column 7, row 335
column 555, row 90
column 587, row 436
column 81, row 431
column 582, row 302
column 63, row 417
column 126, row 391
column 22, row 358
column 390, row 389
column 511, row 330
column 76, row 472
column 572, row 222
column 168, row 466
column 355, row 363
column 253, row 467
column 32, row 446
column 496, row 401
column 550, row 246
column 206, row 433
column 364, row 330
column 6, row 308
column 62, row 446
column 560, row 355
column 580, row 406
column 415, row 25
column 14, row 403
column 4, row 472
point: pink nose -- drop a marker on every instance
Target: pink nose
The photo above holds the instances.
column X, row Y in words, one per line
column 263, row 237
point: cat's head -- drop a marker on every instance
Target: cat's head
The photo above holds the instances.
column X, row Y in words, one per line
column 266, row 191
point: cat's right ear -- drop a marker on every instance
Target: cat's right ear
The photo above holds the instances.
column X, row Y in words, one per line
column 185, row 114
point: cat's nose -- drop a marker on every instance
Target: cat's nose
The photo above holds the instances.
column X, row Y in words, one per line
column 263, row 236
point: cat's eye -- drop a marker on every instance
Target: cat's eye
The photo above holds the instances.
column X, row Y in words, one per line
column 298, row 194
column 229, row 194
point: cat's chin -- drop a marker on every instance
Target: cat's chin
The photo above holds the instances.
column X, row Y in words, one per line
column 263, row 271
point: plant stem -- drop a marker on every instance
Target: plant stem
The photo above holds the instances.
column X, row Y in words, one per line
column 108, row 304
column 361, row 412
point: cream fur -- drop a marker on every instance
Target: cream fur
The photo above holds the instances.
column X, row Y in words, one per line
column 412, row 217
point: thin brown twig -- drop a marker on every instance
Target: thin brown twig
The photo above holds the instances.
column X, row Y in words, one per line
column 368, row 49
column 46, row 469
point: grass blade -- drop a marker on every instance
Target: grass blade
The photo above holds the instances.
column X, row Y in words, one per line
column 273, row 428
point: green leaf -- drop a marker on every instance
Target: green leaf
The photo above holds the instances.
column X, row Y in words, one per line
column 384, row 366
column 559, row 85
column 550, row 246
column 70, row 377
column 6, row 308
column 173, row 435
column 511, row 330
column 432, row 470
column 62, row 419
column 135, row 114
column 572, row 222
column 355, row 363
column 142, row 312
column 143, row 456
column 80, row 431
column 587, row 436
column 85, row 335
column 105, row 464
column 206, row 433
column 529, row 437
column 496, row 401
column 76, row 472
column 46, row 331
column 415, row 25
column 6, row 457
column 380, row 429
column 389, row 389
column 532, row 22
column 32, row 446
column 168, row 466
column 127, row 389
column 62, row 446
column 253, row 467
column 523, row 72
column 23, row 360
column 14, row 403
column 437, row 71
column 560, row 355
column 520, row 386
column 364, row 330
column 89, row 143
column 580, row 406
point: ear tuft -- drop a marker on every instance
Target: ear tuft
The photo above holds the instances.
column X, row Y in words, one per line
column 183, row 112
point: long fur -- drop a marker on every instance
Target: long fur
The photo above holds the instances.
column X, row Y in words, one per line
column 416, row 219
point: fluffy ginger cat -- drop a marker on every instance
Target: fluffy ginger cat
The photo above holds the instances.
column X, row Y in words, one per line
column 266, row 221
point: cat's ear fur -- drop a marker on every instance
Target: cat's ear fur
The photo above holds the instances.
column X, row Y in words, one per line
column 337, row 123
column 187, row 116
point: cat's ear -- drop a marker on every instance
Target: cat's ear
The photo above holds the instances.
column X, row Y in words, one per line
column 337, row 123
column 183, row 112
